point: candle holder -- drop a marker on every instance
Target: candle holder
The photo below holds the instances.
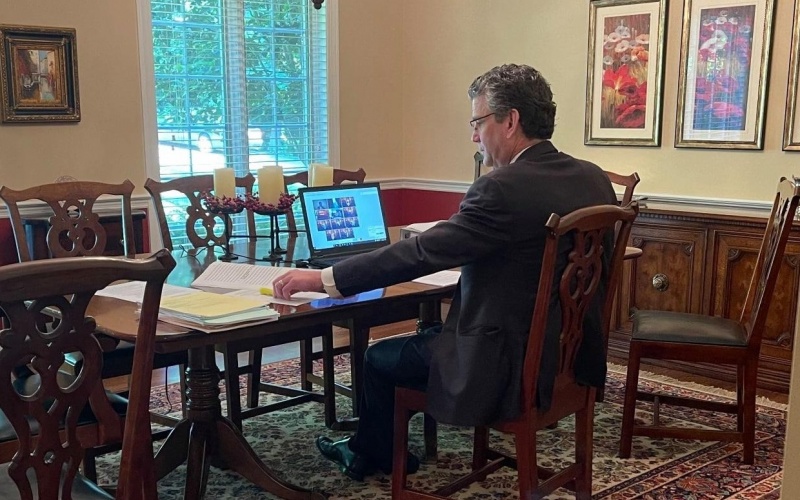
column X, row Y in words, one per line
column 275, row 250
column 224, row 207
column 273, row 211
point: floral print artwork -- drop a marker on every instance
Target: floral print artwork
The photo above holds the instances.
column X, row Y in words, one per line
column 626, row 53
column 723, row 58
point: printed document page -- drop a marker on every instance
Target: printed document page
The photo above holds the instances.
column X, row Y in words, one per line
column 238, row 276
column 442, row 278
column 133, row 291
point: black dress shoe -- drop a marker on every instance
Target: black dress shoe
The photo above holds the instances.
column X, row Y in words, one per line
column 354, row 465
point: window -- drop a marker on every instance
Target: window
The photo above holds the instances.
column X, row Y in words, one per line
column 238, row 83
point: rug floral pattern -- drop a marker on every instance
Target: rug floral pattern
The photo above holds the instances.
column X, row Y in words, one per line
column 658, row 469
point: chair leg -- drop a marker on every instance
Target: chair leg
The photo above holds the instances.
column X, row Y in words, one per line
column 306, row 364
column 527, row 468
column 253, row 377
column 749, row 403
column 584, row 427
column 480, row 447
column 399, row 465
column 90, row 466
column 232, row 396
column 629, row 408
column 740, row 382
column 431, row 437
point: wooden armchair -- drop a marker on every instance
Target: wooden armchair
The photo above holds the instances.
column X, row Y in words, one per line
column 665, row 335
column 576, row 287
column 45, row 417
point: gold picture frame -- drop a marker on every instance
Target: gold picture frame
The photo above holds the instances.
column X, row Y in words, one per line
column 722, row 85
column 625, row 72
column 791, row 125
column 38, row 75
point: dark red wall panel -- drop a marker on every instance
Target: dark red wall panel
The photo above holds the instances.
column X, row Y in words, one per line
column 406, row 206
column 8, row 249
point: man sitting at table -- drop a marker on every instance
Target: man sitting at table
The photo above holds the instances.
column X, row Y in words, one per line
column 472, row 368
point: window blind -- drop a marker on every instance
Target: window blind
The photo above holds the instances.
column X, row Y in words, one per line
column 239, row 84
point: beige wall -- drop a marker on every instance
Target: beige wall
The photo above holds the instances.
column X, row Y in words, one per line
column 107, row 145
column 441, row 58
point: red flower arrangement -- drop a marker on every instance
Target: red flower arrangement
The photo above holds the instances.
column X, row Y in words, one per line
column 222, row 205
column 253, row 203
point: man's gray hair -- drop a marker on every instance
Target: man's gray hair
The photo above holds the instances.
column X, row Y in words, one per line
column 520, row 87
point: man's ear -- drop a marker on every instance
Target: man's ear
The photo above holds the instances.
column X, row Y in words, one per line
column 512, row 122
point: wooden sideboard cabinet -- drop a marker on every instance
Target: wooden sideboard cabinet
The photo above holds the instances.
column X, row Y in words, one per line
column 701, row 261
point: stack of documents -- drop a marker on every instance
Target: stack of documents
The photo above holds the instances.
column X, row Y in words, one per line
column 210, row 312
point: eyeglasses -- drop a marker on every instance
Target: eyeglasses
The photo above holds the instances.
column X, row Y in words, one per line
column 476, row 121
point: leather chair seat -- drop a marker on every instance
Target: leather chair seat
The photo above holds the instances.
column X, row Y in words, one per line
column 667, row 326
column 82, row 488
column 26, row 385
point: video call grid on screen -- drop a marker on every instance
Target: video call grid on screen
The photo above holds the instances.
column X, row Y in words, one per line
column 344, row 216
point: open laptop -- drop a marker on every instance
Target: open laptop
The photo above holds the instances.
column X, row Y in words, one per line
column 343, row 221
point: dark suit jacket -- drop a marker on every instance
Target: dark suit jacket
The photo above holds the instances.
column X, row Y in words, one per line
column 497, row 237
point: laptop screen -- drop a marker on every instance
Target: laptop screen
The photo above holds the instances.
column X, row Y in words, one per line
column 344, row 219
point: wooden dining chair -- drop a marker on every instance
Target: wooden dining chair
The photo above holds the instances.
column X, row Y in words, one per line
column 676, row 336
column 45, row 415
column 588, row 232
column 75, row 231
column 628, row 183
column 205, row 230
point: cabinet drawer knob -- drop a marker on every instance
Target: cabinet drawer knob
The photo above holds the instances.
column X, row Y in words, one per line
column 660, row 282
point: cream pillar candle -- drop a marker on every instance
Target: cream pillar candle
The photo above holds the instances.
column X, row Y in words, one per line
column 270, row 184
column 320, row 175
column 224, row 183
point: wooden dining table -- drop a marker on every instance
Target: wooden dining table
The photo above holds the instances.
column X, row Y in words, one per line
column 205, row 436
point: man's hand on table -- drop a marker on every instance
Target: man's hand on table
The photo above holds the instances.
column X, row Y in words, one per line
column 297, row 281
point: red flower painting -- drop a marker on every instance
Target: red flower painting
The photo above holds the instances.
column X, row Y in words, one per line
column 626, row 54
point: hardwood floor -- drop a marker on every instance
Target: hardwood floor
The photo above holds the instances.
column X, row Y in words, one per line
column 288, row 351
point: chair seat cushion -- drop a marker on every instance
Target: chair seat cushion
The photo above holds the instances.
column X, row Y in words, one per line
column 29, row 384
column 666, row 326
column 82, row 488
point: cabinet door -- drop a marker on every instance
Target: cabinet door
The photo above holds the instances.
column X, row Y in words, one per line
column 669, row 274
column 734, row 258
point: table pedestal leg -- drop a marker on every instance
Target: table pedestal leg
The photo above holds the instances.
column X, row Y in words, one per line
column 205, row 436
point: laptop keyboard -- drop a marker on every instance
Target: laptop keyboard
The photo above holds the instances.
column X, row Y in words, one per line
column 323, row 262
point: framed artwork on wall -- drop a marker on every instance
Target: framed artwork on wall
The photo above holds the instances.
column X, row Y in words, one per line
column 722, row 86
column 38, row 75
column 791, row 126
column 625, row 72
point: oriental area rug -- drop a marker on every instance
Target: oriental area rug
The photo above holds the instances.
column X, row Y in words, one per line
column 658, row 469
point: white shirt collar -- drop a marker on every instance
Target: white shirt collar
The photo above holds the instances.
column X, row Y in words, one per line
column 518, row 154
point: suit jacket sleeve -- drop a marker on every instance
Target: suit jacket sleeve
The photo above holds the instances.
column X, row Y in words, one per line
column 482, row 225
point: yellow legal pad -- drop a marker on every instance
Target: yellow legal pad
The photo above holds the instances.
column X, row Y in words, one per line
column 212, row 311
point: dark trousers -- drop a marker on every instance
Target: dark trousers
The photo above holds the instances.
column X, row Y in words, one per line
column 387, row 364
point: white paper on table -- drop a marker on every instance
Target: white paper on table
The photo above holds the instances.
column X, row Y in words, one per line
column 133, row 291
column 442, row 278
column 239, row 276
column 297, row 299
